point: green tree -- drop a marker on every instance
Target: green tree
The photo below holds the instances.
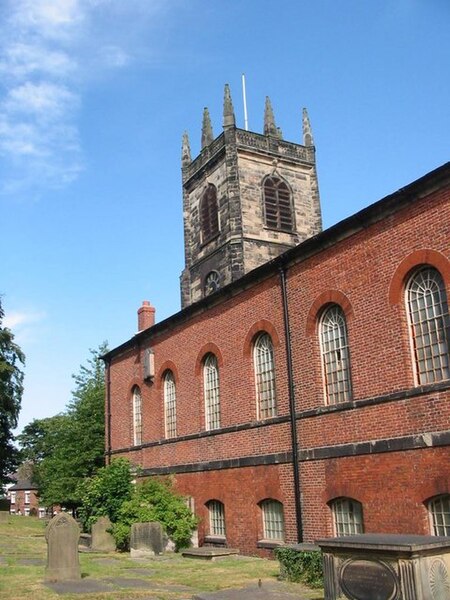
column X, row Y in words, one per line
column 12, row 361
column 70, row 446
column 104, row 494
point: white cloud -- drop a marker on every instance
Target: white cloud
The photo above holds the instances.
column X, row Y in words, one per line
column 50, row 51
column 24, row 325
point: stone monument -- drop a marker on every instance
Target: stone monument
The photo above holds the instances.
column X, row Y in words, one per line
column 62, row 535
column 147, row 539
column 386, row 567
column 102, row 540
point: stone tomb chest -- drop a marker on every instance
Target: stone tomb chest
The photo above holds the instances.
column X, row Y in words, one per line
column 386, row 567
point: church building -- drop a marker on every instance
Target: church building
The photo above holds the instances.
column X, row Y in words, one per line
column 303, row 390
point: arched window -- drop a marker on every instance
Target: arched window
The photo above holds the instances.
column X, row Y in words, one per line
column 429, row 321
column 335, row 355
column 439, row 510
column 216, row 517
column 265, row 376
column 170, row 405
column 137, row 416
column 273, row 520
column 277, row 204
column 211, row 389
column 347, row 516
column 209, row 215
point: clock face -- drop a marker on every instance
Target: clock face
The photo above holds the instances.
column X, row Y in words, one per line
column 212, row 282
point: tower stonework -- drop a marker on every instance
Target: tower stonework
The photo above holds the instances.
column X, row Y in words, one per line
column 247, row 197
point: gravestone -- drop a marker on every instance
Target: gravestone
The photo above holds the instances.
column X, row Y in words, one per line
column 386, row 567
column 62, row 535
column 102, row 540
column 147, row 539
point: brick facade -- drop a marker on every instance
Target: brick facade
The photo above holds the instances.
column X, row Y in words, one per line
column 388, row 447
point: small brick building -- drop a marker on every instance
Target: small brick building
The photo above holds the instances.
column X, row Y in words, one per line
column 310, row 395
column 24, row 500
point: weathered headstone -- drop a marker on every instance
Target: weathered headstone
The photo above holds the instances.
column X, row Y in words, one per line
column 146, row 539
column 102, row 540
column 62, row 535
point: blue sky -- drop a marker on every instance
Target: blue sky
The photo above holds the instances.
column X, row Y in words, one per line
column 95, row 96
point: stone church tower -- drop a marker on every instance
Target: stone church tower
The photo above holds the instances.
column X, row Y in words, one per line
column 247, row 198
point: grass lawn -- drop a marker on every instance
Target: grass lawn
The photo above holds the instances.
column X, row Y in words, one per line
column 23, row 554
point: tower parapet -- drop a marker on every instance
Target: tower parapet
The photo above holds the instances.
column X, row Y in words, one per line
column 247, row 197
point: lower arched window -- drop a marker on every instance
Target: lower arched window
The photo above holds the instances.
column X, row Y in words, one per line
column 347, row 516
column 439, row 511
column 335, row 355
column 137, row 416
column 273, row 520
column 216, row 511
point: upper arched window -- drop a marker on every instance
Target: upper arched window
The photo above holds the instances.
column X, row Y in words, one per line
column 348, row 516
column 335, row 355
column 211, row 389
column 265, row 376
column 277, row 204
column 429, row 321
column 439, row 510
column 137, row 416
column 170, row 405
column 209, row 214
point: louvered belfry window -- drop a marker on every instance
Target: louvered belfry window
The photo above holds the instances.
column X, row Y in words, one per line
column 429, row 320
column 209, row 216
column 277, row 204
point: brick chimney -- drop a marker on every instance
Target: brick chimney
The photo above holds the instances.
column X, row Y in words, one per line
column 146, row 316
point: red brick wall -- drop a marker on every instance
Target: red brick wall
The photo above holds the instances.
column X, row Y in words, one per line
column 364, row 274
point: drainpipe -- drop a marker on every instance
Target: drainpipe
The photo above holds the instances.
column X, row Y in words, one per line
column 295, row 461
column 108, row 412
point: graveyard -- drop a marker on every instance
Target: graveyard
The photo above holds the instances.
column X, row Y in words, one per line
column 113, row 575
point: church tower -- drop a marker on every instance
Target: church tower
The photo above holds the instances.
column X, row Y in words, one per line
column 247, row 198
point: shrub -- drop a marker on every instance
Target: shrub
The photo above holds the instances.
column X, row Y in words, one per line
column 155, row 500
column 298, row 565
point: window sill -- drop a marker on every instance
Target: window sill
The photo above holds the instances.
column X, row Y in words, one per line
column 269, row 544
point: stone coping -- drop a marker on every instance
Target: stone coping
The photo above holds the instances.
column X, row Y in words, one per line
column 208, row 552
column 303, row 547
column 386, row 542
